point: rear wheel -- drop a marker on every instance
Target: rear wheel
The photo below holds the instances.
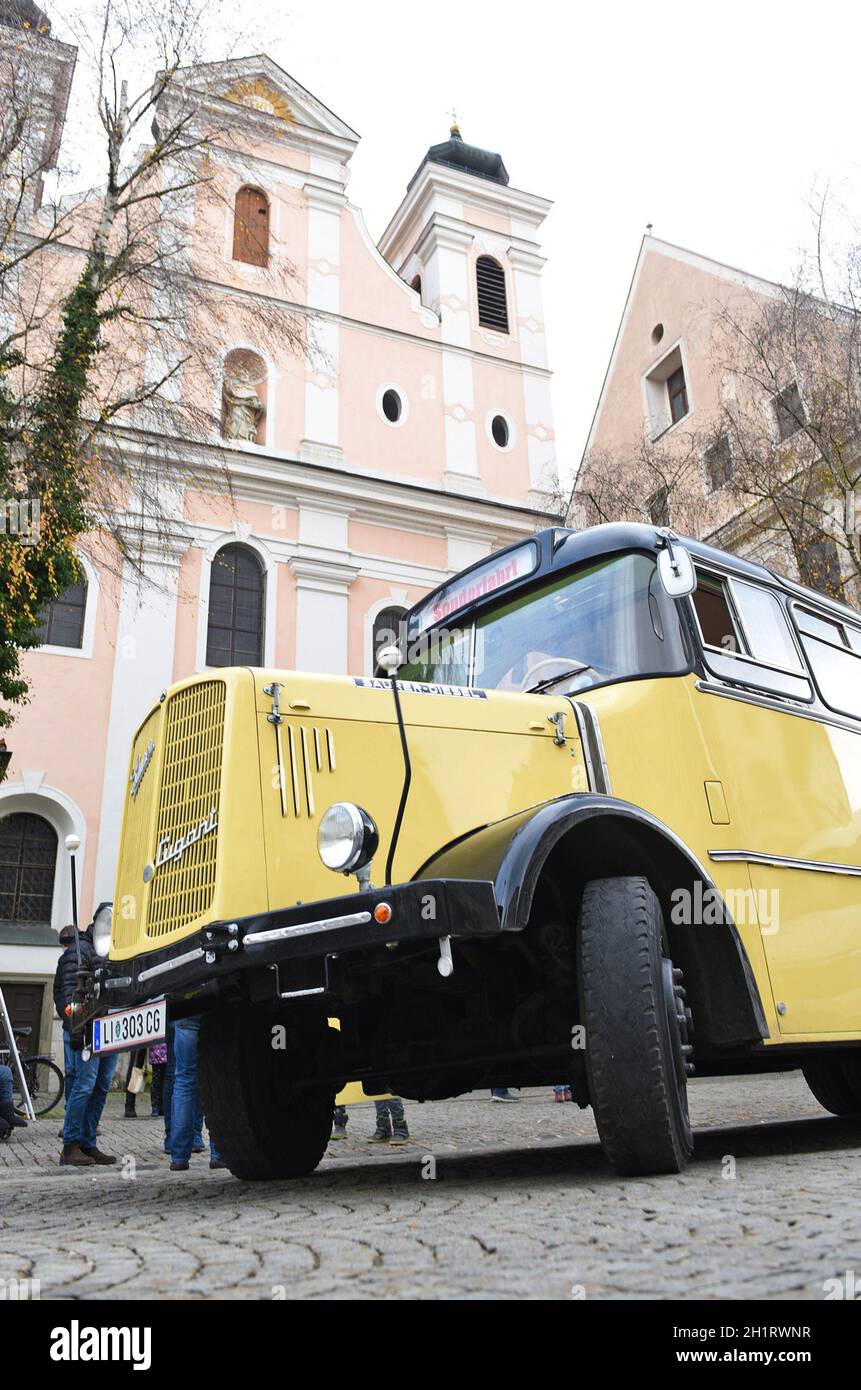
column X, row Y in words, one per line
column 637, row 1028
column 836, row 1083
column 262, row 1123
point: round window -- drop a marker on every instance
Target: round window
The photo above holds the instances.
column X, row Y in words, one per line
column 392, row 406
column 657, row 333
column 500, row 431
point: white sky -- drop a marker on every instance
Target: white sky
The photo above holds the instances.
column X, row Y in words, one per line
column 715, row 122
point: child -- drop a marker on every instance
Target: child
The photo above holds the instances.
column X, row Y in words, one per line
column 391, row 1123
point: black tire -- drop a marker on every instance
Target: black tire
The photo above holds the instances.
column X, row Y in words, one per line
column 836, row 1083
column 636, row 1028
column 262, row 1124
column 45, row 1082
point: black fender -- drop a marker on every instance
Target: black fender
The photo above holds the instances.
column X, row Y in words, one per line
column 584, row 836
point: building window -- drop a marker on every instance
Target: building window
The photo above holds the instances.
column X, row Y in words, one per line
column 500, row 431
column 658, row 507
column 718, row 462
column 492, row 299
column 388, row 631
column 392, row 406
column 251, row 227
column 666, row 395
column 61, row 623
column 677, row 393
column 416, row 284
column 28, row 859
column 819, row 566
column 789, row 412
column 235, row 625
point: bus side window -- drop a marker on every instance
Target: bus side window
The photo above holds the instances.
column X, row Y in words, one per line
column 834, row 652
column 717, row 624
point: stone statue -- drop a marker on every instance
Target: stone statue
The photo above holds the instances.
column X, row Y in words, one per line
column 243, row 407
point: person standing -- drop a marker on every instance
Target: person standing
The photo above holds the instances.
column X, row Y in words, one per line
column 502, row 1093
column 391, row 1122
column 158, row 1064
column 70, row 1056
column 91, row 1079
column 185, row 1100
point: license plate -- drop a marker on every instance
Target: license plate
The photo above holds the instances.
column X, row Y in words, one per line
column 130, row 1027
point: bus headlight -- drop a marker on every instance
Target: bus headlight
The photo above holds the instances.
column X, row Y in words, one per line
column 102, row 923
column 347, row 838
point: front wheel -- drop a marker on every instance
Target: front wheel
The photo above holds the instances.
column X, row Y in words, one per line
column 262, row 1123
column 637, row 1028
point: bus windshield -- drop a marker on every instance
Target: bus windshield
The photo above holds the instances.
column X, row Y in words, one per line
column 605, row 622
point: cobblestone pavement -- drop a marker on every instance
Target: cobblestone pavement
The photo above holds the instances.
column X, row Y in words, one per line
column 523, row 1205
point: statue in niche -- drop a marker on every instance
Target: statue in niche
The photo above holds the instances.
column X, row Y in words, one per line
column 242, row 407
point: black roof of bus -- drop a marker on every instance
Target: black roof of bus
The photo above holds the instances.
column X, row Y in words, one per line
column 560, row 549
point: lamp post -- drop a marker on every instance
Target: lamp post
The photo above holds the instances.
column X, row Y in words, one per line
column 73, row 844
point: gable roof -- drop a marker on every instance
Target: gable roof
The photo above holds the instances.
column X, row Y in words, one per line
column 719, row 269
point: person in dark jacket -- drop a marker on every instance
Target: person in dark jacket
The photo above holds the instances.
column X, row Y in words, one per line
column 92, row 1077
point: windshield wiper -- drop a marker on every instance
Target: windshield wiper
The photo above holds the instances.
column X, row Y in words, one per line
column 564, row 675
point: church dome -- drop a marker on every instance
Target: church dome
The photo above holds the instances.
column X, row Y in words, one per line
column 455, row 153
column 20, row 14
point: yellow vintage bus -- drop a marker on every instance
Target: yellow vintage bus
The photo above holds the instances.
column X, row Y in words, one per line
column 599, row 822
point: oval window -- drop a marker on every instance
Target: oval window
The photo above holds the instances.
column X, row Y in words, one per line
column 392, row 406
column 500, row 431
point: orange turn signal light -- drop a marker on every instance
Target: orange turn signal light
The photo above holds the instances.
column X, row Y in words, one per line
column 382, row 914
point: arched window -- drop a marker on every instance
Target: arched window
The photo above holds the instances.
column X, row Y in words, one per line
column 237, row 586
column 28, row 858
column 251, row 227
column 416, row 284
column 492, row 300
column 62, row 621
column 387, row 631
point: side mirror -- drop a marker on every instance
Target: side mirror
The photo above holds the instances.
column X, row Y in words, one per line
column 676, row 570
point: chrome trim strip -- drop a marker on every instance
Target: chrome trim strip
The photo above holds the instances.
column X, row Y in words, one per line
column 782, row 861
column 353, row 919
column 782, row 706
column 174, row 964
column 584, row 744
column 593, row 747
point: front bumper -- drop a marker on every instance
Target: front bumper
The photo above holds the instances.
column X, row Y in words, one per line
column 428, row 913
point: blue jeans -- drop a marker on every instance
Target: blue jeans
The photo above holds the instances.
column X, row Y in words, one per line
column 167, row 1097
column 70, row 1067
column 87, row 1100
column 186, row 1118
column 5, row 1085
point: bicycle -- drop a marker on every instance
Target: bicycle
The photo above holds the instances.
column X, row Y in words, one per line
column 45, row 1080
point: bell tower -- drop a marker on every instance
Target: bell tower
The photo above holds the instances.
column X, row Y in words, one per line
column 35, row 79
column 469, row 242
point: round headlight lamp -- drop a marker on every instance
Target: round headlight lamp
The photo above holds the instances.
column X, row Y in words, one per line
column 102, row 923
column 347, row 838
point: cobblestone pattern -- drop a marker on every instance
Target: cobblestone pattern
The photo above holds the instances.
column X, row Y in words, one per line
column 523, row 1205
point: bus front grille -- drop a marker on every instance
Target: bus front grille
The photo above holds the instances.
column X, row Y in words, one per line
column 184, row 866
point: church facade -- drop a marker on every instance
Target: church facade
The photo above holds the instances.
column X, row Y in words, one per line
column 412, row 435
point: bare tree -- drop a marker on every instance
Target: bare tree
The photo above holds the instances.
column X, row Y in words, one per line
column 652, row 483
column 110, row 327
column 790, row 413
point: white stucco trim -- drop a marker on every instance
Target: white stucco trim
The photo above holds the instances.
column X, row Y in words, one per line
column 67, row 818
column 402, row 397
column 240, row 535
column 90, row 609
